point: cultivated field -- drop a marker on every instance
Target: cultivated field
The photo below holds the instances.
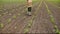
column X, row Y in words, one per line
column 45, row 17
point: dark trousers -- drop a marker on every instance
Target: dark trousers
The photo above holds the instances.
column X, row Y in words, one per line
column 29, row 9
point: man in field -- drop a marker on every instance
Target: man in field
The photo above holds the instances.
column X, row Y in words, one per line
column 29, row 4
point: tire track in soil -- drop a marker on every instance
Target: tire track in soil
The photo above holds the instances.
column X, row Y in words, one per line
column 56, row 13
column 35, row 13
column 33, row 17
column 42, row 23
column 33, row 10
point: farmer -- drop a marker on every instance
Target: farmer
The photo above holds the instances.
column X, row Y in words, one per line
column 29, row 5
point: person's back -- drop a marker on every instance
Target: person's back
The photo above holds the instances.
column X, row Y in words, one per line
column 29, row 4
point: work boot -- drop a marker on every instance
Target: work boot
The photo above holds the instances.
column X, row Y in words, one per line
column 29, row 13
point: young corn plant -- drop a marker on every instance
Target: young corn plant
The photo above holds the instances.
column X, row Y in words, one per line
column 14, row 16
column 9, row 20
column 26, row 30
column 1, row 25
column 52, row 20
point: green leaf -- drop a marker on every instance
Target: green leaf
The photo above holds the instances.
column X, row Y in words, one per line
column 52, row 19
column 49, row 12
column 29, row 25
column 14, row 16
column 26, row 30
column 9, row 20
column 59, row 32
column 1, row 25
column 55, row 26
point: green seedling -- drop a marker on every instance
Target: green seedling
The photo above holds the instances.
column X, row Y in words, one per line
column 51, row 16
column 26, row 30
column 14, row 16
column 55, row 26
column 9, row 20
column 59, row 32
column 49, row 12
column 52, row 19
column 1, row 25
column 56, row 29
column 29, row 25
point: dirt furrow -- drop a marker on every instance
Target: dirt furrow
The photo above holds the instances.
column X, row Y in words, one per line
column 56, row 12
column 42, row 23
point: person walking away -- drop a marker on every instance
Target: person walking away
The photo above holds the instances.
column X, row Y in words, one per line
column 29, row 5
